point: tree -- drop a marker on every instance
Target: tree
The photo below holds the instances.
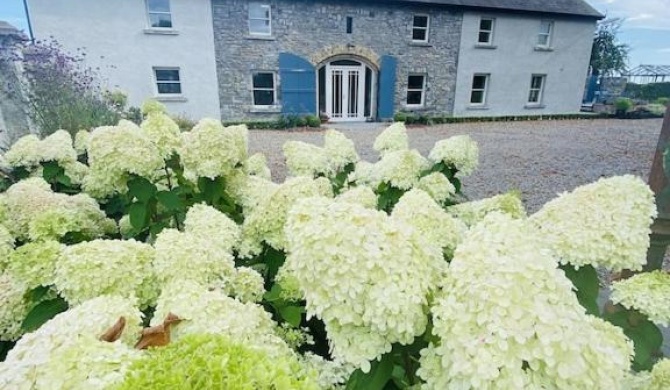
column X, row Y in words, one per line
column 608, row 55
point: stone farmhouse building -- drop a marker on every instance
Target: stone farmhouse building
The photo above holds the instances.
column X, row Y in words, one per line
column 350, row 60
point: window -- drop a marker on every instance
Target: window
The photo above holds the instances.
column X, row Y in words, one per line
column 159, row 13
column 260, row 22
column 168, row 81
column 536, row 89
column 264, row 88
column 544, row 36
column 486, row 31
column 420, row 28
column 350, row 24
column 416, row 87
column 479, row 84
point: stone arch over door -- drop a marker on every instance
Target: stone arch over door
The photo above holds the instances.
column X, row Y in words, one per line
column 343, row 51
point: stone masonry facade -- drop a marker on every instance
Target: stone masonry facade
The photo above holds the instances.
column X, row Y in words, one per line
column 316, row 31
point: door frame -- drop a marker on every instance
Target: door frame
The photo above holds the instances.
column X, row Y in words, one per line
column 363, row 70
column 345, row 97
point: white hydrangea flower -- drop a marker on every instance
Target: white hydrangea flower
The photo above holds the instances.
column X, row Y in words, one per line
column 459, row 152
column 660, row 375
column 339, row 149
column 364, row 274
column 106, row 267
column 392, row 139
column 364, row 174
column 416, row 208
column 361, row 195
column 605, row 224
column 89, row 364
column 191, row 256
column 648, row 292
column 211, row 150
column 266, row 222
column 303, row 159
column 29, row 151
column 474, row 212
column 153, row 106
column 116, row 151
column 80, row 325
column 257, row 165
column 210, row 223
column 331, row 374
column 507, row 318
column 163, row 131
column 246, row 284
column 34, row 263
column 14, row 307
column 254, row 190
column 437, row 186
column 33, row 211
column 81, row 141
column 401, row 169
column 6, row 243
column 206, row 310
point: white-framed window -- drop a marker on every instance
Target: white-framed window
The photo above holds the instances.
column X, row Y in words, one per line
column 260, row 19
column 420, row 28
column 480, row 84
column 544, row 36
column 168, row 80
column 485, row 36
column 264, row 91
column 536, row 88
column 158, row 13
column 416, row 90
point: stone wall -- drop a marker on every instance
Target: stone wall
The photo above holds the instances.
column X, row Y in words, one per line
column 13, row 118
column 316, row 31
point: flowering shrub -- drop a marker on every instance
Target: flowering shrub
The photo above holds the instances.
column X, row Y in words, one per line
column 145, row 257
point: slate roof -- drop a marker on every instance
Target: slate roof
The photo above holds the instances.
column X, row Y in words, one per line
column 562, row 7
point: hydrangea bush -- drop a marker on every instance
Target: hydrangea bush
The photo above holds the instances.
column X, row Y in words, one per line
column 146, row 257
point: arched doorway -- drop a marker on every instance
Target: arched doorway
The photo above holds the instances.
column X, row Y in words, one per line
column 347, row 89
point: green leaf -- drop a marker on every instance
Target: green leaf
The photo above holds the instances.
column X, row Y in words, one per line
column 36, row 294
column 273, row 260
column 139, row 215
column 141, row 188
column 170, row 200
column 585, row 280
column 379, row 375
column 647, row 339
column 291, row 314
column 274, row 294
column 51, row 170
column 42, row 313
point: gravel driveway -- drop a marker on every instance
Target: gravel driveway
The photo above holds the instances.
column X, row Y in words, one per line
column 540, row 158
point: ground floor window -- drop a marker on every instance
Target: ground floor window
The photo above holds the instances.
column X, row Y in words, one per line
column 479, row 86
column 264, row 93
column 536, row 89
column 416, row 90
column 168, row 81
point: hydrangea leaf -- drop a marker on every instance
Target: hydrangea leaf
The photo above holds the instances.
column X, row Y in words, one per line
column 585, row 280
column 379, row 375
column 141, row 188
column 42, row 313
column 291, row 314
column 158, row 335
column 114, row 332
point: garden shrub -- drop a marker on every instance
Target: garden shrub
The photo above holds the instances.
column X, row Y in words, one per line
column 664, row 101
column 144, row 256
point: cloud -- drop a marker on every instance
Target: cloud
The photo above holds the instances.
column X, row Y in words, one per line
column 639, row 14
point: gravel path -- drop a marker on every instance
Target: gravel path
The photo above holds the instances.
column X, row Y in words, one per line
column 540, row 158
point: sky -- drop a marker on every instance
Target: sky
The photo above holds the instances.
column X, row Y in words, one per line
column 646, row 26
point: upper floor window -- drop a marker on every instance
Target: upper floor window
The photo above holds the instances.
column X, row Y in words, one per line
column 263, row 84
column 168, row 81
column 486, row 31
column 536, row 89
column 479, row 86
column 159, row 13
column 416, row 90
column 260, row 20
column 420, row 27
column 544, row 36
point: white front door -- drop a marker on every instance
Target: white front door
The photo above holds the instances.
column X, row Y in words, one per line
column 345, row 92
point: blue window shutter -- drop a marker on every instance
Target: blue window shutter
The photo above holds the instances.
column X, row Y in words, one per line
column 387, row 79
column 298, row 85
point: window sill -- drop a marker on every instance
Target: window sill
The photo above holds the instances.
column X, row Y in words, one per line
column 260, row 37
column 265, row 109
column 420, row 44
column 485, row 46
column 534, row 106
column 171, row 98
column 543, row 48
column 481, row 107
column 161, row 31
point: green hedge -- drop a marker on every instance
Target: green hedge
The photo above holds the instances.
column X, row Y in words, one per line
column 284, row 122
column 649, row 92
column 410, row 119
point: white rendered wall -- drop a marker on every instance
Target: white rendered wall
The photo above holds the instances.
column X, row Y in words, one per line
column 114, row 35
column 515, row 59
